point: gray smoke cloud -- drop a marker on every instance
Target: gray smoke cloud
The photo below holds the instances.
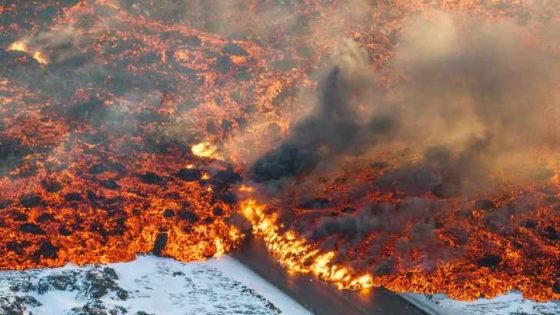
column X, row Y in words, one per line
column 478, row 101
column 338, row 125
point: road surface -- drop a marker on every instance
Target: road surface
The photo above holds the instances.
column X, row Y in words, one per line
column 320, row 297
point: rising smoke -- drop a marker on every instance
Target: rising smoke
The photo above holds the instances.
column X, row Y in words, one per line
column 478, row 101
column 337, row 126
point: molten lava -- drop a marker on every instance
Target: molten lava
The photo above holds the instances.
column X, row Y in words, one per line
column 130, row 127
column 296, row 254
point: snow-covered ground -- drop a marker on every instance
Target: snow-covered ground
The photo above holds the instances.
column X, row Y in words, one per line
column 151, row 285
column 147, row 285
column 509, row 304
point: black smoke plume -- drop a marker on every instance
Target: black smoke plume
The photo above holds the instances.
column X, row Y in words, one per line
column 336, row 127
column 478, row 100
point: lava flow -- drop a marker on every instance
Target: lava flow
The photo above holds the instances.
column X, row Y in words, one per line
column 296, row 254
column 406, row 144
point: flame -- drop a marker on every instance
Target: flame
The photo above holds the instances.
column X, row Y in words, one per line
column 18, row 46
column 220, row 250
column 204, row 149
column 297, row 254
column 245, row 188
column 22, row 46
column 37, row 55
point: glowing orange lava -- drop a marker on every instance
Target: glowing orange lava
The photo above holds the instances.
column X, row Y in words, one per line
column 128, row 127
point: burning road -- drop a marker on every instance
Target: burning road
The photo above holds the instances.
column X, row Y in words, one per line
column 410, row 145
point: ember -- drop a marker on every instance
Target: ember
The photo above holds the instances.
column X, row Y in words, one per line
column 404, row 144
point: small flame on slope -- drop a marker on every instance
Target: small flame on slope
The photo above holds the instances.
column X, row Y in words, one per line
column 18, row 46
column 220, row 250
column 22, row 46
column 37, row 55
column 204, row 149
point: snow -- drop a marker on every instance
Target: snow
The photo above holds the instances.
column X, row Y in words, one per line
column 153, row 286
column 154, row 275
column 239, row 272
column 512, row 303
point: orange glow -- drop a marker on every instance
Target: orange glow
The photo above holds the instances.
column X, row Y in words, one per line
column 245, row 188
column 298, row 255
column 119, row 145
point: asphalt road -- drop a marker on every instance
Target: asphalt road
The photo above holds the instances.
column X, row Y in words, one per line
column 320, row 297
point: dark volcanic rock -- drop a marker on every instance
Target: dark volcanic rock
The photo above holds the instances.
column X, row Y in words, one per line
column 228, row 198
column 192, row 40
column 224, row 179
column 556, row 287
column 379, row 165
column 460, row 236
column 18, row 247
column 484, row 204
column 188, row 216
column 30, row 201
column 63, row 282
column 18, row 216
column 496, row 220
column 100, row 282
column 315, row 203
column 31, row 229
column 551, row 233
column 109, row 184
column 168, row 213
column 348, row 210
column 5, row 203
column 233, row 49
column 51, row 186
column 96, row 307
column 47, row 250
column 490, row 261
column 189, row 175
column 218, row 211
column 73, row 197
column 107, row 166
column 151, row 178
column 45, row 217
column 223, row 64
column 160, row 243
column 64, row 231
column 530, row 224
column 12, row 152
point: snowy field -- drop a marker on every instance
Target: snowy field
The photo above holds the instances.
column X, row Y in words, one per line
column 148, row 285
column 509, row 304
column 151, row 285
